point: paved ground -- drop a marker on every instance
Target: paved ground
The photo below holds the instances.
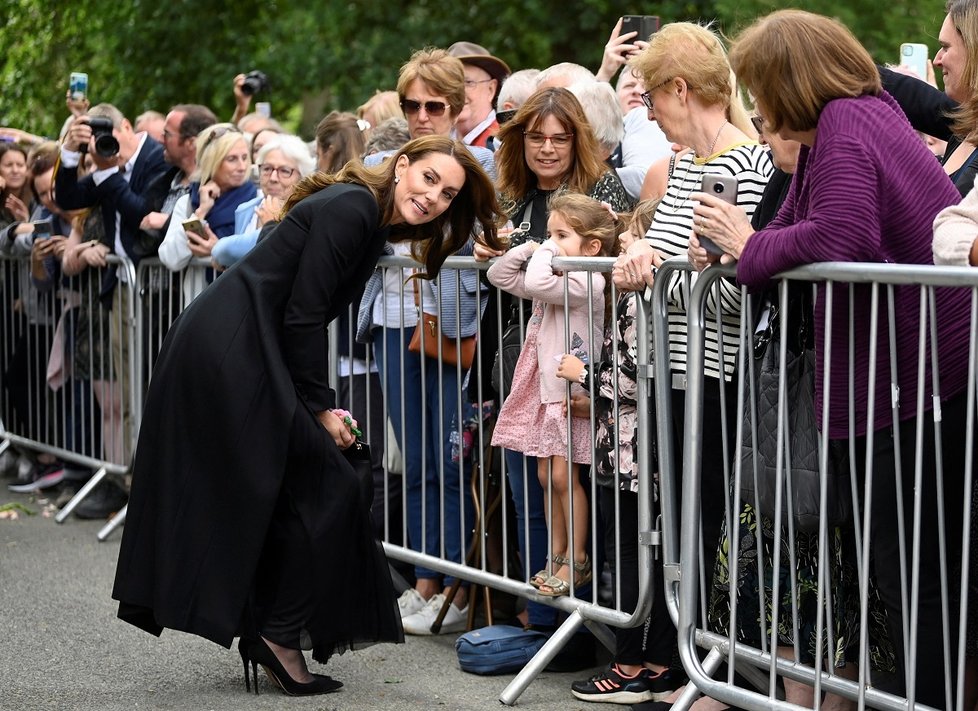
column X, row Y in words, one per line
column 61, row 646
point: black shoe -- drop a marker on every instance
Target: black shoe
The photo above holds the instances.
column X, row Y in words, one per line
column 102, row 503
column 258, row 652
column 611, row 686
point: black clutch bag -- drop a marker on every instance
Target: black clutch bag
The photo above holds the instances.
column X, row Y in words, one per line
column 358, row 455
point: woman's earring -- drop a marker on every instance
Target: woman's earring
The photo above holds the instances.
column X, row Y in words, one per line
column 397, row 179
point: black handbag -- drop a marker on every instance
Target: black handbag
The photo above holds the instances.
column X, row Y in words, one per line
column 801, row 439
column 358, row 455
column 504, row 364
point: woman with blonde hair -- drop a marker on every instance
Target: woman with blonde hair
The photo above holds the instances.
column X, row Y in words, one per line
column 220, row 186
column 690, row 95
column 378, row 108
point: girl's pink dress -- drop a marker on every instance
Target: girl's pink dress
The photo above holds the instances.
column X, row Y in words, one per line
column 525, row 424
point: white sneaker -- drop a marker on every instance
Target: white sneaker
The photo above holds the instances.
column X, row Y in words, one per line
column 410, row 602
column 420, row 622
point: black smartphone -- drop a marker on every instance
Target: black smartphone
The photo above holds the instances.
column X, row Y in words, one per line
column 725, row 188
column 645, row 25
column 42, row 228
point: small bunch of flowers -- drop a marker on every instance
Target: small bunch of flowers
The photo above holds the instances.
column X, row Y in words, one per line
column 348, row 420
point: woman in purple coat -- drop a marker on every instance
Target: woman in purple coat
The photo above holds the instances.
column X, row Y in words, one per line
column 866, row 190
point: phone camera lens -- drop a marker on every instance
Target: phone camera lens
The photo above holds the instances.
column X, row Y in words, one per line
column 718, row 188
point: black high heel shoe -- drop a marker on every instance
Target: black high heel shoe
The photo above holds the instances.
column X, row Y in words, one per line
column 258, row 652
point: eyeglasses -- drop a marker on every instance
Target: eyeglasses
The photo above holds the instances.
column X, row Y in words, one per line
column 218, row 132
column 646, row 96
column 557, row 140
column 475, row 82
column 284, row 171
column 433, row 108
column 758, row 123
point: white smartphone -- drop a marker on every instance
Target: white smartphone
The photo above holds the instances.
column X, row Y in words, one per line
column 914, row 57
column 725, row 188
column 78, row 85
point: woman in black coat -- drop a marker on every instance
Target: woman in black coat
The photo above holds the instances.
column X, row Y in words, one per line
column 244, row 517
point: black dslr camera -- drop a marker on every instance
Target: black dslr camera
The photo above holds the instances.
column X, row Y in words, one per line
column 106, row 144
column 254, row 82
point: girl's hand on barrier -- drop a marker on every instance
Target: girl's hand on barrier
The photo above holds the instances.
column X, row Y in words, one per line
column 570, row 369
column 201, row 245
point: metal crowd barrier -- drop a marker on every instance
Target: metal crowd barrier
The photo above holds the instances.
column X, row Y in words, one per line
column 478, row 565
column 758, row 674
column 154, row 297
column 66, row 369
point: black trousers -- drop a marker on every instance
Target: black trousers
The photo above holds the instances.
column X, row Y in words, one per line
column 929, row 665
column 654, row 640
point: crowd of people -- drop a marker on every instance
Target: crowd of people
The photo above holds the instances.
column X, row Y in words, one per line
column 467, row 157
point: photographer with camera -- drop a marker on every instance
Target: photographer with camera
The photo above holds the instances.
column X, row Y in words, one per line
column 126, row 164
column 245, row 87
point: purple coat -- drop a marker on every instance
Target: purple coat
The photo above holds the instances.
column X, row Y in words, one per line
column 867, row 190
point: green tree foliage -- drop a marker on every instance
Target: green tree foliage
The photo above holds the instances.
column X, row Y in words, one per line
column 333, row 54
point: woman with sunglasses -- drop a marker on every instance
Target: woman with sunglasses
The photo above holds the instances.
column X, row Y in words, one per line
column 245, row 518
column 221, row 185
column 439, row 511
column 282, row 163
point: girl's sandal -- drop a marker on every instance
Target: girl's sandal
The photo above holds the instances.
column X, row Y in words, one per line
column 542, row 576
column 555, row 587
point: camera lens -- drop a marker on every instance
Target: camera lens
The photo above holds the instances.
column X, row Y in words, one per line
column 718, row 188
column 254, row 82
column 106, row 145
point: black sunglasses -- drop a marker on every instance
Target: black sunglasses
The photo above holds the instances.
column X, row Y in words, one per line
column 433, row 108
column 758, row 123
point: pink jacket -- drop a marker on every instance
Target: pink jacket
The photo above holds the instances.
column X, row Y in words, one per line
column 540, row 283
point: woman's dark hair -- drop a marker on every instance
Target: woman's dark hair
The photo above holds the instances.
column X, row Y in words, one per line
column 475, row 204
column 42, row 158
column 26, row 191
column 341, row 131
column 515, row 177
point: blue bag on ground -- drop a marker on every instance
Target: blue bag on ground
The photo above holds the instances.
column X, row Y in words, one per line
column 497, row 649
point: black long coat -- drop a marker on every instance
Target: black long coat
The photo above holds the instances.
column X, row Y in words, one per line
column 242, row 370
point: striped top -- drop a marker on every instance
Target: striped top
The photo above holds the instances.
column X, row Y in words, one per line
column 751, row 164
column 867, row 191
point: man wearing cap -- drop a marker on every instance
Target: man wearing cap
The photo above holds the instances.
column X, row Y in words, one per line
column 484, row 74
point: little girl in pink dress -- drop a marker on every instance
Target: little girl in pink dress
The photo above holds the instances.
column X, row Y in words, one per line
column 533, row 418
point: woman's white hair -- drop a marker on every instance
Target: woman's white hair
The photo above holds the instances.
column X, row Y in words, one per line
column 293, row 148
column 600, row 104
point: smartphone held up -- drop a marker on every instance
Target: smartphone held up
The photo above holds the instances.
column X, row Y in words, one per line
column 914, row 57
column 644, row 25
column 78, row 86
column 725, row 188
